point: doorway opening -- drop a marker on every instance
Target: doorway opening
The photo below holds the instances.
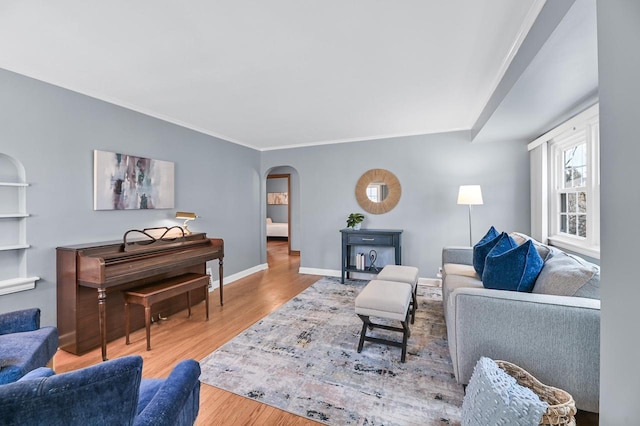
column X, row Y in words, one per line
column 278, row 219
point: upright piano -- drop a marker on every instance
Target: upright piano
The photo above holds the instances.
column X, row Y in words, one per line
column 91, row 278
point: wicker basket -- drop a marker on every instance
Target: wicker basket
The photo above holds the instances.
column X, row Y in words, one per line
column 562, row 408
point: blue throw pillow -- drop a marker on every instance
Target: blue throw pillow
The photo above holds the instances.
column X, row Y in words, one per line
column 483, row 247
column 503, row 243
column 515, row 269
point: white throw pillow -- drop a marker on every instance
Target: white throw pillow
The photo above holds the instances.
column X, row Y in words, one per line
column 493, row 397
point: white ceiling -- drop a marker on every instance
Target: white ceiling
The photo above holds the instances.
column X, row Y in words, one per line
column 278, row 73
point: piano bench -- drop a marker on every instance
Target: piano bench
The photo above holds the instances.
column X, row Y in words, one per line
column 162, row 290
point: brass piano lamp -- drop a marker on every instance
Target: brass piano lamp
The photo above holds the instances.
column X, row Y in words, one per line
column 187, row 216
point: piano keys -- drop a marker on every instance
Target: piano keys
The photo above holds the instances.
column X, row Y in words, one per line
column 91, row 278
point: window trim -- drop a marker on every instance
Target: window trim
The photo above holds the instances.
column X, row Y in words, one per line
column 558, row 147
column 583, row 128
column 543, row 175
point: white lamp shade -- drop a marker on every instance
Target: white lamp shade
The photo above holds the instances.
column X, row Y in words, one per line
column 470, row 194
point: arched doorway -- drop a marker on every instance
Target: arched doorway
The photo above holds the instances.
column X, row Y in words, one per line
column 282, row 209
column 278, row 208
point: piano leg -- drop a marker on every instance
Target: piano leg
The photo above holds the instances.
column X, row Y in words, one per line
column 102, row 320
column 127, row 327
column 147, row 324
column 206, row 300
column 220, row 273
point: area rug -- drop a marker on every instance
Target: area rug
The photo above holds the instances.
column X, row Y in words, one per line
column 303, row 359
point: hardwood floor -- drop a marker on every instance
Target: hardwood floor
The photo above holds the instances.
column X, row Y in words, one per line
column 245, row 302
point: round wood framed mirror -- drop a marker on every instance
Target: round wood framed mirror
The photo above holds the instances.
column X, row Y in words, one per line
column 378, row 191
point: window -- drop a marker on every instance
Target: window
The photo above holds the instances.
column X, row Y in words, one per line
column 572, row 191
column 372, row 193
column 565, row 185
column 574, row 186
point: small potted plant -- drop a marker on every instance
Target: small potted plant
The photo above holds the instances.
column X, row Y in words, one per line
column 354, row 220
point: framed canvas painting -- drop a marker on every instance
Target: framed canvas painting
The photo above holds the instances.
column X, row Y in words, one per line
column 127, row 182
column 277, row 198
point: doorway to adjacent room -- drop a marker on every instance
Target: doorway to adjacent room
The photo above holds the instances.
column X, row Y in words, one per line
column 278, row 218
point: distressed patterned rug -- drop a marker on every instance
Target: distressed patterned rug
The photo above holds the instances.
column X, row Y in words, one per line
column 303, row 359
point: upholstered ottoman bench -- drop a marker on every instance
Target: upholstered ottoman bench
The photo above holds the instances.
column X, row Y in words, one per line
column 389, row 300
column 403, row 274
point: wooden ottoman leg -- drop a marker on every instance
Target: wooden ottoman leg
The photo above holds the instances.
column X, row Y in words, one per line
column 363, row 333
column 405, row 336
column 414, row 303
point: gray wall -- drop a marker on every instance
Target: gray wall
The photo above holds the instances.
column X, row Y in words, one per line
column 53, row 133
column 619, row 68
column 430, row 169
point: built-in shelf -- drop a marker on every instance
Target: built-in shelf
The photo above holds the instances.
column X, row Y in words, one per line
column 13, row 199
column 15, row 247
column 13, row 215
column 14, row 184
column 17, row 284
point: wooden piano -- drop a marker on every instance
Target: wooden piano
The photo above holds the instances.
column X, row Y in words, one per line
column 91, row 278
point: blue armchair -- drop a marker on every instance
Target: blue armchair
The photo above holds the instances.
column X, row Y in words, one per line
column 110, row 393
column 24, row 346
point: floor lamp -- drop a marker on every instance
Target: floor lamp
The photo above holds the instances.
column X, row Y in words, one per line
column 470, row 195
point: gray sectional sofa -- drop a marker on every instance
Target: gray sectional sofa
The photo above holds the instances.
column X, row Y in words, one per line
column 552, row 332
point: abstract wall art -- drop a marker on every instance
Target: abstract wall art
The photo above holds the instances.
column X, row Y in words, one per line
column 127, row 182
column 277, row 198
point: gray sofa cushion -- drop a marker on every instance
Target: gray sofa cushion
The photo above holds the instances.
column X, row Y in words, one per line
column 457, row 276
column 460, row 269
column 461, row 255
column 462, row 278
column 567, row 275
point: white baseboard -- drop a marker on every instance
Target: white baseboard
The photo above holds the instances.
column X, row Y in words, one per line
column 239, row 275
column 433, row 282
column 317, row 271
